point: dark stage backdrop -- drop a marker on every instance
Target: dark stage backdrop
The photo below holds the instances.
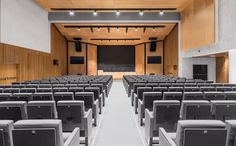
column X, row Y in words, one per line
column 116, row 58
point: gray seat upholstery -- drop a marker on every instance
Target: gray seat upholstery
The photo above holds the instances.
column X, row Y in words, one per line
column 72, row 114
column 27, row 90
column 230, row 95
column 39, row 90
column 75, row 89
column 140, row 92
column 43, row 133
column 90, row 103
column 21, row 97
column 214, row 95
column 135, row 90
column 160, row 89
column 97, row 95
column 176, row 89
column 147, row 103
column 11, row 90
column 60, row 89
column 6, row 127
column 165, row 114
column 45, row 86
column 63, row 96
column 224, row 109
column 41, row 110
column 231, row 134
column 32, row 86
column 5, row 96
column 193, row 96
column 192, row 89
column 13, row 110
column 195, row 110
column 173, row 96
column 195, row 133
column 207, row 88
column 42, row 96
column 18, row 86
column 223, row 89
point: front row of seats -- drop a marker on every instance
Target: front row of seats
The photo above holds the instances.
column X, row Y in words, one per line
column 37, row 133
column 72, row 113
column 200, row 133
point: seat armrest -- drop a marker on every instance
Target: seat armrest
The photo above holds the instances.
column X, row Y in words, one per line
column 149, row 125
column 88, row 123
column 140, row 112
column 165, row 139
column 95, row 112
column 74, row 139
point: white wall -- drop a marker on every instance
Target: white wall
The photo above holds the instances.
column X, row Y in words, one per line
column 189, row 62
column 25, row 24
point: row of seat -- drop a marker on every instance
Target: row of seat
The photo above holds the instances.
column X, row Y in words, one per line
column 37, row 133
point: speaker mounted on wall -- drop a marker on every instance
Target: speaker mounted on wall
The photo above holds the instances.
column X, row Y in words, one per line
column 55, row 62
column 153, row 46
column 78, row 46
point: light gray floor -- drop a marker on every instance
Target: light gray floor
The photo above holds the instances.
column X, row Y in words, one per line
column 118, row 127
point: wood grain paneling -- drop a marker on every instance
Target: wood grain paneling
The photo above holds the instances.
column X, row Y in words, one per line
column 171, row 53
column 92, row 60
column 139, row 59
column 154, row 68
column 198, row 24
column 8, row 73
column 76, row 68
column 32, row 64
column 222, row 69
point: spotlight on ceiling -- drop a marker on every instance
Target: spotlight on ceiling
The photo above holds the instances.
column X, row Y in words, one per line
column 141, row 13
column 161, row 13
column 78, row 29
column 99, row 28
column 136, row 29
column 117, row 29
column 154, row 28
column 117, row 13
column 71, row 13
column 95, row 13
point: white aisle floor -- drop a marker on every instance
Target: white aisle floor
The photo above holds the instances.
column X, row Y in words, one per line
column 118, row 127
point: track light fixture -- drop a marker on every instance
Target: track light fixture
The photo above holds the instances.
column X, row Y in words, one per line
column 136, row 29
column 117, row 29
column 71, row 13
column 78, row 29
column 117, row 13
column 95, row 13
column 99, row 28
column 141, row 13
column 161, row 13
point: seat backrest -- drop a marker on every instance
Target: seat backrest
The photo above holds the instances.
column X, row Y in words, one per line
column 224, row 109
column 83, row 85
column 176, row 89
column 41, row 110
column 11, row 90
column 136, row 85
column 160, row 89
column 45, row 86
column 200, row 133
column 177, row 84
column 38, row 133
column 87, row 97
column 95, row 90
column 192, row 89
column 141, row 90
column 230, row 95
column 60, row 89
column 190, row 84
column 152, row 85
column 42, row 96
column 207, row 88
column 72, row 114
column 193, row 96
column 21, row 97
column 173, row 96
column 6, row 127
column 164, row 84
column 63, row 96
column 166, row 114
column 44, row 90
column 75, row 89
column 5, row 96
column 27, row 90
column 32, row 86
column 13, row 110
column 214, row 95
column 231, row 134
column 150, row 97
column 223, row 89
column 195, row 110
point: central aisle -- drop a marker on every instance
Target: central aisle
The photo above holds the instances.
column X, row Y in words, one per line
column 118, row 127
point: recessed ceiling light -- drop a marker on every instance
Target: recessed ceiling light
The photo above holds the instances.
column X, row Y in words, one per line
column 78, row 29
column 141, row 13
column 136, row 29
column 161, row 13
column 95, row 13
column 117, row 29
column 117, row 13
column 154, row 28
column 71, row 13
column 99, row 28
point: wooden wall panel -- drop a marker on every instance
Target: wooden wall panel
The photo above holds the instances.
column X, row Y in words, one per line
column 171, row 53
column 92, row 60
column 222, row 69
column 76, row 68
column 32, row 64
column 154, row 68
column 139, row 59
column 198, row 24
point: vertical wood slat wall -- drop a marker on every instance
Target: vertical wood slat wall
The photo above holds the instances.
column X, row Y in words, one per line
column 31, row 64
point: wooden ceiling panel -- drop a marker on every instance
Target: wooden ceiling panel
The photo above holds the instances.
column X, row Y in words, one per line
column 48, row 4
column 86, row 34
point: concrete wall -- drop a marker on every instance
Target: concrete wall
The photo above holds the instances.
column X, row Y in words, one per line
column 24, row 24
column 189, row 62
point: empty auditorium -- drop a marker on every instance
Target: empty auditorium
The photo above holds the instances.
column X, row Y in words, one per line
column 117, row 73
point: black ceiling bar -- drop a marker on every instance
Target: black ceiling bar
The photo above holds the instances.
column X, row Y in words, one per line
column 113, row 9
column 106, row 26
column 91, row 29
column 144, row 29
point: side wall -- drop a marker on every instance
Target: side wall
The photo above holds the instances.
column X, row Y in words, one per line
column 28, row 64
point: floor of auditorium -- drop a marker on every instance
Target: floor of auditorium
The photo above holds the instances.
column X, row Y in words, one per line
column 118, row 126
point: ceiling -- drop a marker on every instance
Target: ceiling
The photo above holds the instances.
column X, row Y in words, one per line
column 86, row 34
column 48, row 4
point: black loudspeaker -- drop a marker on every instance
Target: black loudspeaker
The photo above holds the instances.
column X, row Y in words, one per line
column 78, row 46
column 200, row 72
column 55, row 62
column 153, row 46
